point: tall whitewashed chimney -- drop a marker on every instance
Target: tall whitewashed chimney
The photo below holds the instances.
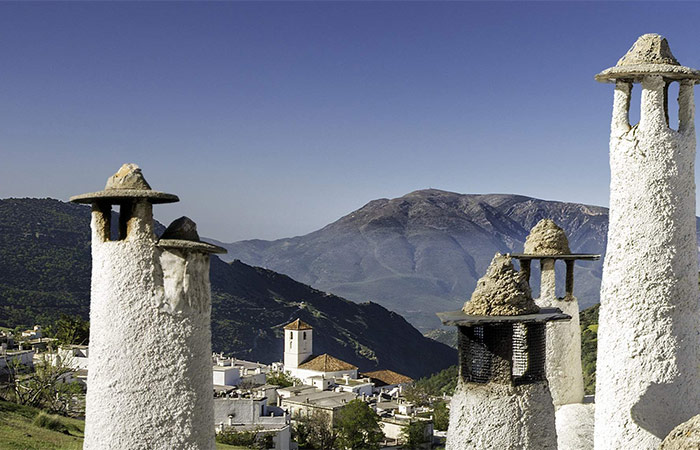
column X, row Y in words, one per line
column 648, row 337
column 149, row 378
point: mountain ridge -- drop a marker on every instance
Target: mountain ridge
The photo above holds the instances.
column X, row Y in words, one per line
column 423, row 252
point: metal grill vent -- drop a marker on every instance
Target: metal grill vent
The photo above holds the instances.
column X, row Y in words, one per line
column 502, row 353
column 520, row 350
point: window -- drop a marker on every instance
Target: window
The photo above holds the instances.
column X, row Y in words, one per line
column 304, row 335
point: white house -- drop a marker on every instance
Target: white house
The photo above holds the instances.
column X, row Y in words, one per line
column 33, row 334
column 75, row 356
column 226, row 376
column 253, row 413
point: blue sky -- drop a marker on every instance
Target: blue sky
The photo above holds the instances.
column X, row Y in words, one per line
column 273, row 119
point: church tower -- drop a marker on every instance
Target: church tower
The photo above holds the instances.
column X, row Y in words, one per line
column 298, row 343
column 647, row 371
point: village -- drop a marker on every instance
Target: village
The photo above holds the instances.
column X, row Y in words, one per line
column 146, row 371
column 245, row 398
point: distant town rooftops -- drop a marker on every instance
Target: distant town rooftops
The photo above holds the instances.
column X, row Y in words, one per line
column 224, row 368
column 387, row 377
column 296, row 390
column 298, row 325
column 326, row 363
column 349, row 381
column 323, row 399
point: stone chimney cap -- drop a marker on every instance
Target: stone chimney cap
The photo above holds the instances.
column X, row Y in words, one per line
column 127, row 184
column 501, row 291
column 182, row 234
column 650, row 55
column 547, row 238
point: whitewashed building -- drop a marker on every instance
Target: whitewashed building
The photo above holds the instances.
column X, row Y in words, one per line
column 301, row 363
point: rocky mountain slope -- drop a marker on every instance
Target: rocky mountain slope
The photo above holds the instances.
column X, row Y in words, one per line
column 423, row 252
column 45, row 271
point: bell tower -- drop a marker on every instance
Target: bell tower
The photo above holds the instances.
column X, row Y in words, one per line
column 298, row 343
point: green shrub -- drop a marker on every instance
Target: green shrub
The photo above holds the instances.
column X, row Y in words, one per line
column 50, row 422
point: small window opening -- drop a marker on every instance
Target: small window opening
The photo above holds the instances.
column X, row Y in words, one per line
column 115, row 223
column 304, row 335
column 635, row 107
column 535, row 278
column 671, row 104
column 560, row 278
column 126, row 212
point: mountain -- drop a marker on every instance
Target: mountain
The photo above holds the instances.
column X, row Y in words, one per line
column 423, row 253
column 45, row 269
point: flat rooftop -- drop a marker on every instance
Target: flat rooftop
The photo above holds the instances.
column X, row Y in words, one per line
column 323, row 399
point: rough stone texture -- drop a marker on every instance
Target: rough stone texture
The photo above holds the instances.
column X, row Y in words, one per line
column 650, row 54
column 685, row 436
column 563, row 363
column 184, row 244
column 182, row 228
column 547, row 238
column 127, row 184
column 575, row 426
column 501, row 292
column 129, row 176
column 647, row 369
column 150, row 343
column 497, row 416
column 649, row 48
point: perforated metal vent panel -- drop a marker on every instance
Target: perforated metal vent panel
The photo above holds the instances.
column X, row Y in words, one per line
column 511, row 353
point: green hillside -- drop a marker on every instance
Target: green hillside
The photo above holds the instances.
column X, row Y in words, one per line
column 22, row 429
column 19, row 430
column 45, row 271
column 589, row 345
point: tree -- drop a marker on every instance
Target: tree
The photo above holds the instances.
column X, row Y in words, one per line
column 280, row 379
column 358, row 427
column 441, row 415
column 45, row 387
column 254, row 439
column 413, row 435
column 417, row 395
column 315, row 431
column 71, row 330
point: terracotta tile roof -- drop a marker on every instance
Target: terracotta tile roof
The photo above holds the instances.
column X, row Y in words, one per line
column 298, row 325
column 326, row 363
column 388, row 377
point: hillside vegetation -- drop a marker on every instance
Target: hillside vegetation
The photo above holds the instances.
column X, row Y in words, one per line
column 27, row 428
column 45, row 271
column 20, row 429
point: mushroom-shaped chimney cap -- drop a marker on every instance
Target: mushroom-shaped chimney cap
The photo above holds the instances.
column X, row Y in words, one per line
column 650, row 55
column 547, row 238
column 501, row 292
column 182, row 234
column 127, row 184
